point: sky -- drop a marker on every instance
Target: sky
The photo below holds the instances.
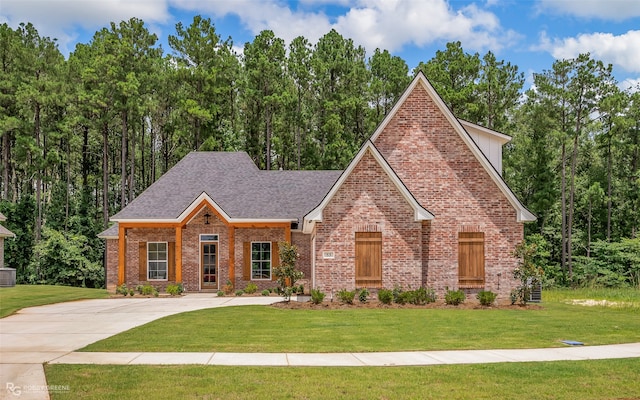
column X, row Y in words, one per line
column 531, row 34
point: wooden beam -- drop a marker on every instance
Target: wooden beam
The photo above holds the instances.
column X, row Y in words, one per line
column 178, row 254
column 261, row 224
column 198, row 208
column 148, row 224
column 232, row 254
column 287, row 233
column 122, row 248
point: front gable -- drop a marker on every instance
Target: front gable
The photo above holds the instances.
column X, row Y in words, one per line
column 427, row 145
column 367, row 150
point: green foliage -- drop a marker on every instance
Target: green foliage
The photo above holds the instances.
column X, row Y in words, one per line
column 122, row 289
column 363, row 295
column 148, row 290
column 175, row 289
column 528, row 271
column 251, row 288
column 220, row 293
column 286, row 273
column 486, row 297
column 60, row 259
column 423, row 295
column 317, row 296
column 454, row 297
column 614, row 264
column 239, row 293
column 346, row 296
column 266, row 292
column 385, row 296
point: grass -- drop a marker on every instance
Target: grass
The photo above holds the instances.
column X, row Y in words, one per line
column 625, row 297
column 611, row 379
column 18, row 297
column 268, row 329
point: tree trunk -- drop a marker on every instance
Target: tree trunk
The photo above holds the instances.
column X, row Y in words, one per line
column 6, row 164
column 123, row 165
column 36, row 128
column 609, row 189
column 268, row 138
column 132, row 167
column 105, row 174
column 563, row 205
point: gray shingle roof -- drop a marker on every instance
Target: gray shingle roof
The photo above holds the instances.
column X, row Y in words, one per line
column 234, row 182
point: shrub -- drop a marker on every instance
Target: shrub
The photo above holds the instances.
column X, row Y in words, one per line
column 286, row 273
column 175, row 289
column 317, row 296
column 239, row 292
column 228, row 287
column 301, row 289
column 454, row 297
column 363, row 294
column 422, row 296
column 528, row 272
column 346, row 296
column 404, row 297
column 122, row 289
column 220, row 293
column 486, row 297
column 397, row 291
column 251, row 288
column 266, row 292
column 131, row 292
column 385, row 296
column 148, row 290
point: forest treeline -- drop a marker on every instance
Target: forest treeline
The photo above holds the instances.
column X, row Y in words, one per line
column 82, row 136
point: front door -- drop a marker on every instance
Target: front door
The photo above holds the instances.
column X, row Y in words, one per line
column 209, row 262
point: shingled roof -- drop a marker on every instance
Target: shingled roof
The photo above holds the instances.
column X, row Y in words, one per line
column 238, row 187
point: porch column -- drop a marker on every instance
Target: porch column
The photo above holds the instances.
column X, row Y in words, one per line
column 178, row 253
column 287, row 233
column 232, row 255
column 122, row 248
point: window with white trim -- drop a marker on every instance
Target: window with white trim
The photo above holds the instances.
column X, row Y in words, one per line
column 261, row 260
column 157, row 261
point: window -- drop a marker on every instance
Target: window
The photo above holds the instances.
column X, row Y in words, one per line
column 261, row 260
column 157, row 264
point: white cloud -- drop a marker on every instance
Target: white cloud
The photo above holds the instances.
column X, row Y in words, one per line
column 633, row 85
column 620, row 50
column 60, row 18
column 387, row 24
column 616, row 10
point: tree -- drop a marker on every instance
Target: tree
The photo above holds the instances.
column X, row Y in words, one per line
column 286, row 273
column 389, row 78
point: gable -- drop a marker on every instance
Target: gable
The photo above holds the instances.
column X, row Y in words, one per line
column 368, row 149
column 419, row 114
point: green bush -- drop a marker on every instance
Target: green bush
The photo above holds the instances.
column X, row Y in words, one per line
column 363, row 295
column 405, row 297
column 397, row 291
column 317, row 296
column 423, row 295
column 131, row 292
column 174, row 289
column 147, row 290
column 239, row 293
column 486, row 297
column 220, row 293
column 346, row 296
column 454, row 297
column 122, row 289
column 385, row 296
column 266, row 292
column 251, row 288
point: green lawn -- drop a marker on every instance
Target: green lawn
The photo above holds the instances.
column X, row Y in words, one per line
column 601, row 379
column 268, row 329
column 15, row 298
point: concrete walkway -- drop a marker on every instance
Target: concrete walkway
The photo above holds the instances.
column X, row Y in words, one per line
column 50, row 334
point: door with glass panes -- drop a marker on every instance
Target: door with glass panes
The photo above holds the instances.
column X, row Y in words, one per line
column 209, row 263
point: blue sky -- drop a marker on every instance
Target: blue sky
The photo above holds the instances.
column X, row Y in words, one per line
column 528, row 33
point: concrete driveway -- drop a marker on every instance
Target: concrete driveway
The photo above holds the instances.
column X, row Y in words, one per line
column 37, row 335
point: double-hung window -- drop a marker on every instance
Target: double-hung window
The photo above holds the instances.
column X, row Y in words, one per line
column 157, row 261
column 261, row 260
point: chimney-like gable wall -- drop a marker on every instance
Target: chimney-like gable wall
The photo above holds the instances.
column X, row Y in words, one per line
column 443, row 174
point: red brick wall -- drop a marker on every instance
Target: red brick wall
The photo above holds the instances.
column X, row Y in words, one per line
column 445, row 177
column 132, row 263
column 303, row 243
column 368, row 200
column 254, row 235
column 112, row 265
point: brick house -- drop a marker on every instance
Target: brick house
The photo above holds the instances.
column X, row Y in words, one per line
column 422, row 203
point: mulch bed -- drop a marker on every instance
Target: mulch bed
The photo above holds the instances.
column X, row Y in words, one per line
column 372, row 304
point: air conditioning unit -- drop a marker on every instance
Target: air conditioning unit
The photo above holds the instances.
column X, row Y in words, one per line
column 535, row 292
column 7, row 277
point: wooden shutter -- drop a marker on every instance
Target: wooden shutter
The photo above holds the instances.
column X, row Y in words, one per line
column 171, row 261
column 471, row 259
column 246, row 261
column 368, row 259
column 142, row 261
column 275, row 259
